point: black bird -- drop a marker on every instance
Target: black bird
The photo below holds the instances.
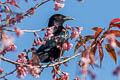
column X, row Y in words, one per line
column 49, row 51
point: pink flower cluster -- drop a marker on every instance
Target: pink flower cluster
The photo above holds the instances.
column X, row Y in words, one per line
column 21, row 70
column 7, row 40
column 75, row 34
column 58, row 4
column 65, row 77
column 37, row 42
column 67, row 46
column 48, row 34
column 111, row 39
column 34, row 71
column 7, row 44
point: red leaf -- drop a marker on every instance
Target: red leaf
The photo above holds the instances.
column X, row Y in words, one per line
column 98, row 31
column 114, row 23
column 100, row 49
column 93, row 48
column 89, row 37
column 117, row 43
column 115, row 32
column 95, row 28
column 77, row 46
column 115, row 20
column 1, row 70
column 111, row 51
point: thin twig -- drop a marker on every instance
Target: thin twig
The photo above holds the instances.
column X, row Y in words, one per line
column 26, row 14
column 38, row 30
column 3, row 76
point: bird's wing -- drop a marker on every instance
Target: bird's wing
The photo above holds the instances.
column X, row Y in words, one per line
column 49, row 50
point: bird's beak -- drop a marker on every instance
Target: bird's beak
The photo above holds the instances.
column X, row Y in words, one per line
column 68, row 18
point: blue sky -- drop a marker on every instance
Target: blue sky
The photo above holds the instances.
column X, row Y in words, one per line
column 94, row 13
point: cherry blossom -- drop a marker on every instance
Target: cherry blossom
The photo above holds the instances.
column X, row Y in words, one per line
column 11, row 47
column 74, row 34
column 79, row 29
column 6, row 40
column 67, row 46
column 21, row 70
column 33, row 70
column 18, row 31
column 58, row 5
column 48, row 34
column 66, row 77
column 111, row 39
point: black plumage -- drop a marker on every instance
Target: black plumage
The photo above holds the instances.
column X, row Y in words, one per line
column 49, row 51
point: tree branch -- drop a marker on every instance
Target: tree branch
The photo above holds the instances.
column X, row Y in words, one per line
column 41, row 66
column 38, row 30
column 3, row 76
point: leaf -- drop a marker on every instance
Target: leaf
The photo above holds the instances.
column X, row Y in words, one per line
column 117, row 25
column 1, row 70
column 117, row 43
column 100, row 49
column 89, row 37
column 115, row 32
column 115, row 20
column 8, row 8
column 97, row 33
column 93, row 48
column 95, row 28
column 114, row 23
column 111, row 51
column 80, row 43
column 77, row 46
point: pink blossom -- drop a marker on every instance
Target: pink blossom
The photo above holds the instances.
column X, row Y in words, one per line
column 37, row 42
column 58, row 6
column 18, row 31
column 66, row 77
column 79, row 29
column 11, row 48
column 68, row 27
column 21, row 71
column 67, row 46
column 7, row 40
column 48, row 34
column 33, row 70
column 59, row 0
column 74, row 34
column 111, row 39
column 22, row 58
column 84, row 62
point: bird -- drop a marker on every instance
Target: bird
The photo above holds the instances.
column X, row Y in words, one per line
column 49, row 51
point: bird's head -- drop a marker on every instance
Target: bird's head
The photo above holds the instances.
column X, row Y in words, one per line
column 58, row 19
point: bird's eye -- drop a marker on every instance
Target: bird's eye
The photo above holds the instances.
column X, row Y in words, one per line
column 60, row 17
